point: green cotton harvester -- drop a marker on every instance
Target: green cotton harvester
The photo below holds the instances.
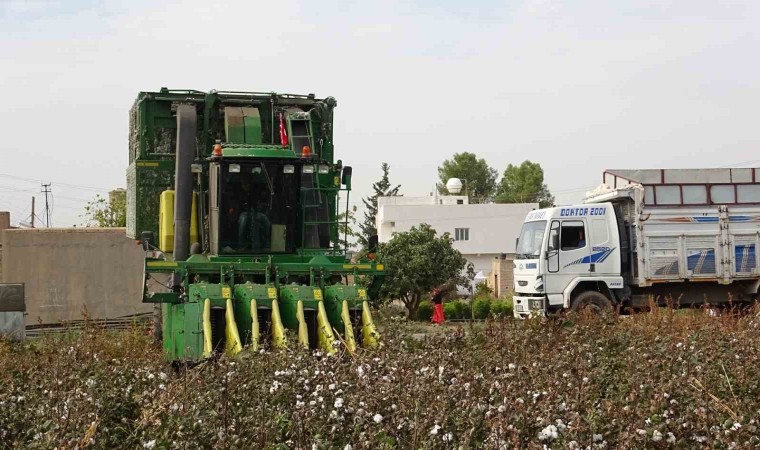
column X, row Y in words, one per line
column 236, row 198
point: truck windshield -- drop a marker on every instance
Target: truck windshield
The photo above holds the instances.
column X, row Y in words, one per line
column 531, row 238
column 259, row 208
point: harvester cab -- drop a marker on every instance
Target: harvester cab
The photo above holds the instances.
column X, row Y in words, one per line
column 236, row 198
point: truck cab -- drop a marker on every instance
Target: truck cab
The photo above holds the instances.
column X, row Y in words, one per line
column 675, row 237
column 564, row 251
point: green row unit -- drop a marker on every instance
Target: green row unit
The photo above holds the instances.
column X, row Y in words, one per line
column 260, row 314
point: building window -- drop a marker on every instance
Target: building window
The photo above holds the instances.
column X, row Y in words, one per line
column 461, row 234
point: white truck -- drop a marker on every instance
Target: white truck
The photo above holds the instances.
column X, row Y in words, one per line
column 678, row 236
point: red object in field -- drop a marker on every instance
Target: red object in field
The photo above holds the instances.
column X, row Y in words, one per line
column 283, row 133
column 438, row 313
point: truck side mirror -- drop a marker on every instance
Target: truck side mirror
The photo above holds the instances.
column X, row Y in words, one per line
column 555, row 242
column 346, row 177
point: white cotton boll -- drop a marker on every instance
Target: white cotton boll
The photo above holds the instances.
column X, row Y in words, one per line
column 377, row 418
column 549, row 433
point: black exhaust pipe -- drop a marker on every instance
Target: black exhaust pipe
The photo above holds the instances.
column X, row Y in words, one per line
column 183, row 181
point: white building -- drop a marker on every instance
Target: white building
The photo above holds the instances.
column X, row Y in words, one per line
column 481, row 232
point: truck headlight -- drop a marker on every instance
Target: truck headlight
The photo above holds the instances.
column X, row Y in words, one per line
column 539, row 284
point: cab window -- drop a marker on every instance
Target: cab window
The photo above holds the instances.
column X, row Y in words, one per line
column 573, row 235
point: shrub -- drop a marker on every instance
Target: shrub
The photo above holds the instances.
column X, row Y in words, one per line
column 501, row 308
column 425, row 312
column 483, row 291
column 456, row 310
column 482, row 308
column 450, row 310
column 463, row 310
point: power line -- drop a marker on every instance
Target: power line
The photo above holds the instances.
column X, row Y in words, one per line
column 77, row 186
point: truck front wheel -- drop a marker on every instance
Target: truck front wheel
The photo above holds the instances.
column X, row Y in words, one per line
column 591, row 301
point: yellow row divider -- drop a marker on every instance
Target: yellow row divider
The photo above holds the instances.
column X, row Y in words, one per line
column 325, row 336
column 303, row 331
column 369, row 330
column 278, row 331
column 207, row 349
column 232, row 342
column 349, row 330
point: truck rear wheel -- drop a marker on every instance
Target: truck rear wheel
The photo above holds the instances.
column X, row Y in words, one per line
column 591, row 301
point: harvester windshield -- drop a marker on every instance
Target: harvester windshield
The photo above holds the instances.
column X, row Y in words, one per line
column 259, row 208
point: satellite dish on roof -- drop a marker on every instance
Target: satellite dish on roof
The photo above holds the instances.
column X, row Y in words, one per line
column 454, row 185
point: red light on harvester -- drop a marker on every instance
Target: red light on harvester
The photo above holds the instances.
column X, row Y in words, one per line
column 305, row 151
column 217, row 152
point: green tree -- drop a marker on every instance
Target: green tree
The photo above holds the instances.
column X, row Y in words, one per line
column 381, row 188
column 106, row 213
column 417, row 261
column 347, row 233
column 522, row 184
column 481, row 178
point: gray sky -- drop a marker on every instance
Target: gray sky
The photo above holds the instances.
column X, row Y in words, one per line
column 578, row 86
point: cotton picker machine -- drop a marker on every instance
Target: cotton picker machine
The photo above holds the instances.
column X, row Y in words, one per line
column 235, row 197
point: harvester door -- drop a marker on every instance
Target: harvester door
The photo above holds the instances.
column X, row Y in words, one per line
column 214, row 201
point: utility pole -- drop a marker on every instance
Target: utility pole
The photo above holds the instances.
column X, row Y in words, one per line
column 32, row 211
column 46, row 190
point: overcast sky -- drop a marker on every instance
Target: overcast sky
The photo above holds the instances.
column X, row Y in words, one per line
column 578, row 86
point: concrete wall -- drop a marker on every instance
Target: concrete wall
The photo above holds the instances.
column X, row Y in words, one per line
column 5, row 223
column 67, row 269
column 481, row 262
column 501, row 278
column 5, row 220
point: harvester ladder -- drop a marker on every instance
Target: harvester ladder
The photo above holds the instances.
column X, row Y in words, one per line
column 298, row 137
